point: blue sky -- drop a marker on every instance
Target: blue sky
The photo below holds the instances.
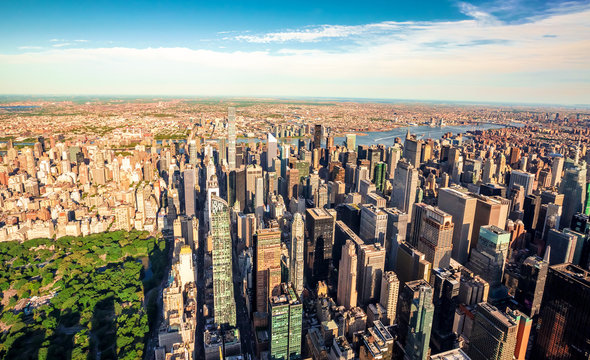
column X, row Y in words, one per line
column 512, row 50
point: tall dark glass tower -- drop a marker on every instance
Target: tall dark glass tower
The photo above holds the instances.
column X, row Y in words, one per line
column 564, row 322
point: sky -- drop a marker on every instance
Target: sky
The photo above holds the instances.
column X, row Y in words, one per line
column 513, row 51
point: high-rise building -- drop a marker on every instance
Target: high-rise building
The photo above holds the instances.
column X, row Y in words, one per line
column 231, row 138
column 531, row 283
column 192, row 152
column 297, row 259
column 224, row 305
column 397, row 224
column 411, row 264
column 286, row 313
column 373, row 224
column 267, row 265
column 405, row 186
column 461, row 207
column 564, row 321
column 351, row 142
column 556, row 169
column 489, row 210
column 494, row 334
column 415, row 319
column 436, row 237
column 189, row 192
column 573, row 186
column 317, row 136
column 523, row 179
column 489, row 257
column 271, row 151
column 372, row 265
column 446, row 285
column 186, row 269
column 560, row 247
column 389, row 295
column 412, row 151
column 347, row 276
column 320, row 225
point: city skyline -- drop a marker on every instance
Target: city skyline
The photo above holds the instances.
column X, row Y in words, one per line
column 525, row 52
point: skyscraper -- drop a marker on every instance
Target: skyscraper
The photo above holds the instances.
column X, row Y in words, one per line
column 286, row 312
column 531, row 284
column 405, row 185
column 523, row 179
column 347, row 276
column 556, row 169
column 231, row 138
column 573, row 186
column 372, row 265
column 320, row 225
column 415, row 319
column 373, row 224
column 224, row 305
column 411, row 264
column 351, row 142
column 493, row 336
column 317, row 136
column 564, row 321
column 267, row 265
column 461, row 207
column 189, row 192
column 271, row 151
column 412, row 151
column 389, row 295
column 436, row 237
column 488, row 258
column 397, row 224
column 297, row 260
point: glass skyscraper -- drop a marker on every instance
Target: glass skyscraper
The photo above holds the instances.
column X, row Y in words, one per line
column 224, row 305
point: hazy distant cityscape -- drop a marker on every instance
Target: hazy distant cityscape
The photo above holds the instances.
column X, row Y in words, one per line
column 308, row 180
column 280, row 229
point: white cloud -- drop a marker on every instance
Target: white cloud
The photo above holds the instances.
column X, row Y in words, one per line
column 462, row 60
column 61, row 45
column 81, row 41
column 26, row 47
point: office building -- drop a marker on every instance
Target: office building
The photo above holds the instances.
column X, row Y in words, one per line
column 405, row 186
column 415, row 316
column 573, row 186
column 436, row 237
column 446, row 285
column 564, row 321
column 231, row 138
column 373, row 224
column 317, row 136
column 372, row 265
column 389, row 295
column 560, row 246
column 223, row 290
column 412, row 151
column 531, row 284
column 461, row 207
column 297, row 258
column 320, row 224
column 351, row 142
column 271, row 151
column 494, row 334
column 411, row 264
column 267, row 265
column 286, row 317
column 489, row 257
column 347, row 276
column 397, row 224
column 189, row 178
